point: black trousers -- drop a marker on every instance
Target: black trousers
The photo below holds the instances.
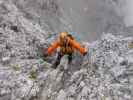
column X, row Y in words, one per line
column 58, row 59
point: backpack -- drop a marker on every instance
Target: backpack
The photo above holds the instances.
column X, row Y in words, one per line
column 54, row 36
column 75, row 36
column 70, row 36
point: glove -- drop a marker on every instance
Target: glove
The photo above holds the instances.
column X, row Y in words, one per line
column 85, row 53
column 45, row 53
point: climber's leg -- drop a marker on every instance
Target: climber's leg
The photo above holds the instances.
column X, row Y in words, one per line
column 69, row 58
column 57, row 62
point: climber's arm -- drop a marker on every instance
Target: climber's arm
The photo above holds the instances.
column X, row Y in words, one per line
column 78, row 47
column 52, row 47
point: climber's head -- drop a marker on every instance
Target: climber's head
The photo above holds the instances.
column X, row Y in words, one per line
column 63, row 35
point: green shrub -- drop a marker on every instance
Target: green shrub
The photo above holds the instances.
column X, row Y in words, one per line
column 33, row 75
column 16, row 67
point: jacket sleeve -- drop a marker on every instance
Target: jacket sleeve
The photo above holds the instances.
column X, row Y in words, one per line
column 53, row 47
column 77, row 46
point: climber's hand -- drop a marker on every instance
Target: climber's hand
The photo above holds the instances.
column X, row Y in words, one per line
column 85, row 53
column 45, row 53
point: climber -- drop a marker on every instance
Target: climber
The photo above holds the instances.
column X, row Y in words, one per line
column 66, row 44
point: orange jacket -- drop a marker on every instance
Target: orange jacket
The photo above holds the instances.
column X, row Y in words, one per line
column 75, row 45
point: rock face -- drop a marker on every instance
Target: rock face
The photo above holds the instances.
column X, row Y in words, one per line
column 107, row 74
column 104, row 73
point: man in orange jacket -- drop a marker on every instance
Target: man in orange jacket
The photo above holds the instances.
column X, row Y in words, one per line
column 67, row 45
